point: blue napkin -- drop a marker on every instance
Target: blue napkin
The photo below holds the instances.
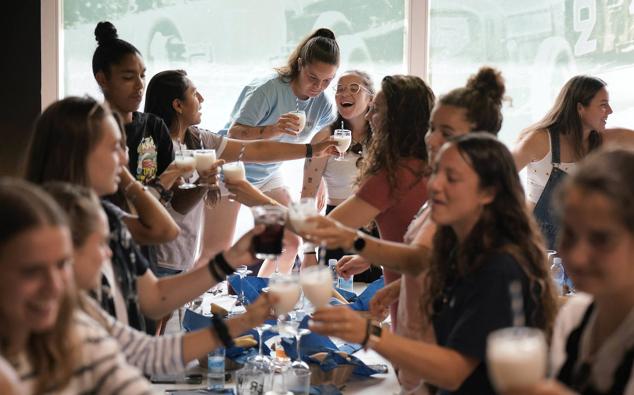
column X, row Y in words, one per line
column 333, row 359
column 363, row 301
column 252, row 286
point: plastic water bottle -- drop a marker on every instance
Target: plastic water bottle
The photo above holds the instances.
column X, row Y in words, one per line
column 332, row 264
column 559, row 275
column 346, row 285
column 216, row 369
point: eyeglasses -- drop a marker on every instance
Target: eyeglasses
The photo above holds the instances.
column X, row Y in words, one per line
column 353, row 88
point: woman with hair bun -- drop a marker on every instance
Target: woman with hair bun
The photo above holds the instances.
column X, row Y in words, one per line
column 475, row 107
column 264, row 110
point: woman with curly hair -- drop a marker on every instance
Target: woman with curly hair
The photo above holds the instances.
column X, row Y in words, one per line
column 486, row 241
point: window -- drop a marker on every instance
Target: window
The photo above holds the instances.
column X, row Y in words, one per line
column 538, row 45
column 223, row 44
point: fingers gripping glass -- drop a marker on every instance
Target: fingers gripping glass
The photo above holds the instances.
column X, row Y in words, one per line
column 353, row 88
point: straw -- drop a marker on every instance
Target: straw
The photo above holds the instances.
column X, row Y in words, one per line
column 296, row 104
column 517, row 303
column 241, row 154
column 342, row 127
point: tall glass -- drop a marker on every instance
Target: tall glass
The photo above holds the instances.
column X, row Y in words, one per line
column 268, row 244
column 187, row 164
column 516, row 357
column 205, row 158
column 299, row 211
column 343, row 137
column 317, row 284
column 287, row 290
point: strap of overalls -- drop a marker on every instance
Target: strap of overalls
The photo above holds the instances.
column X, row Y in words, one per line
column 554, row 148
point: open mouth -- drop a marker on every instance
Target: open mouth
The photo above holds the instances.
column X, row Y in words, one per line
column 347, row 104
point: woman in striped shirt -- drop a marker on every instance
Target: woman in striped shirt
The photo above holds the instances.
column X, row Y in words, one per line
column 54, row 347
column 162, row 354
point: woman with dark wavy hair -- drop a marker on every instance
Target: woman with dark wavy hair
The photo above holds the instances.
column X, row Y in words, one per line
column 485, row 241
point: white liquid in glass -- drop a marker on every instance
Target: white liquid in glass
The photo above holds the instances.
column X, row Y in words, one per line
column 343, row 143
column 514, row 360
column 204, row 159
column 317, row 285
column 185, row 162
column 288, row 295
column 233, row 171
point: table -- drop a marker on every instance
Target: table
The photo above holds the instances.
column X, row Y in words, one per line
column 379, row 384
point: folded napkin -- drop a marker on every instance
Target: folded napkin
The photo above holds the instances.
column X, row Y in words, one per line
column 334, row 359
column 252, row 286
column 362, row 303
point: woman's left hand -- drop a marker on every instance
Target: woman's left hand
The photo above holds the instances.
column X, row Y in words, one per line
column 260, row 310
column 341, row 322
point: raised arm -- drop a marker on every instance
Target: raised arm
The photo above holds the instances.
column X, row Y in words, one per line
column 152, row 224
column 286, row 124
column 314, row 167
column 274, row 151
column 159, row 297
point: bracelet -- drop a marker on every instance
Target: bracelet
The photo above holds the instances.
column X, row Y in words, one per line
column 222, row 263
column 211, row 266
column 310, row 252
column 165, row 195
column 221, row 331
column 368, row 323
column 309, row 151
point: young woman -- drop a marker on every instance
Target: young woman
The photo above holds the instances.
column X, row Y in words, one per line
column 54, row 347
column 485, row 241
column 353, row 94
column 77, row 140
column 550, row 149
column 392, row 175
column 593, row 342
column 151, row 354
column 263, row 111
column 173, row 97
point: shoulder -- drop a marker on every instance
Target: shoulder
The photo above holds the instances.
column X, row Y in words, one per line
column 500, row 264
column 619, row 136
column 535, row 142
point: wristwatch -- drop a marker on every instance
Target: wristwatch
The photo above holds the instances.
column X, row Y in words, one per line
column 359, row 242
column 374, row 331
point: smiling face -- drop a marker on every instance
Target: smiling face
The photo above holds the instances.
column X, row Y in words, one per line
column 189, row 109
column 92, row 255
column 123, row 86
column 594, row 116
column 454, row 193
column 352, row 105
column 446, row 121
column 104, row 161
column 36, row 271
column 595, row 246
column 313, row 79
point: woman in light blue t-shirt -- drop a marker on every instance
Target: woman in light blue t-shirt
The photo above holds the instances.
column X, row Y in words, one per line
column 264, row 111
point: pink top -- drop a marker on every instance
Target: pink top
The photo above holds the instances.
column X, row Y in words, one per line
column 397, row 206
column 413, row 323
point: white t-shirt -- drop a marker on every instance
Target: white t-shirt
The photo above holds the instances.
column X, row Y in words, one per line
column 181, row 253
column 607, row 358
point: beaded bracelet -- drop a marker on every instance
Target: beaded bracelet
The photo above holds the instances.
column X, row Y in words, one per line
column 222, row 331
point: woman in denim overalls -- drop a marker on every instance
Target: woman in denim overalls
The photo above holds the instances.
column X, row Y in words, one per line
column 550, row 148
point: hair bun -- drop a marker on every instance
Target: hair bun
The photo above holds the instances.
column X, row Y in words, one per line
column 104, row 32
column 324, row 32
column 488, row 82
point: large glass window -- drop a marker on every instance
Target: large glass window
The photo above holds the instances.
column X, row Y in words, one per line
column 538, row 45
column 223, row 44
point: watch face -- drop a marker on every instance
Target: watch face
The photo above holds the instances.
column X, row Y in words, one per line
column 359, row 244
column 375, row 330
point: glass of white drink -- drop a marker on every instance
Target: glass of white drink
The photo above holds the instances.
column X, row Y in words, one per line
column 205, row 158
column 287, row 290
column 317, row 285
column 343, row 137
column 516, row 357
column 233, row 171
column 301, row 114
column 299, row 211
column 187, row 164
